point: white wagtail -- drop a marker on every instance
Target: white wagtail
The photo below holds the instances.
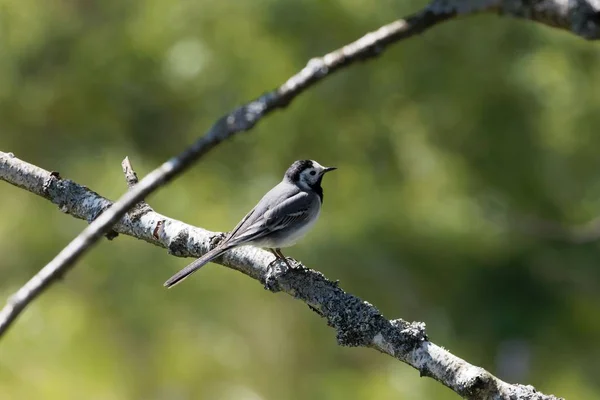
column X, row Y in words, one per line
column 282, row 217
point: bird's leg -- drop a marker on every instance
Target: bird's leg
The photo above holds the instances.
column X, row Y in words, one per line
column 280, row 255
column 274, row 253
column 276, row 256
column 272, row 272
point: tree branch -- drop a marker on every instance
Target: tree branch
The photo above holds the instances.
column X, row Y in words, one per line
column 356, row 322
column 582, row 17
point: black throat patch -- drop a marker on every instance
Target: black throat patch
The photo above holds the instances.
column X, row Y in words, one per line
column 318, row 189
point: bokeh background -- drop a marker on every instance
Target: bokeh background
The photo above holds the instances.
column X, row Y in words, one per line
column 462, row 154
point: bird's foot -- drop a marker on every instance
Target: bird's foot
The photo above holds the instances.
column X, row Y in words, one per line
column 275, row 269
column 278, row 268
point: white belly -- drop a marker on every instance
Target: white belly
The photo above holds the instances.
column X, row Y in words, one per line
column 291, row 239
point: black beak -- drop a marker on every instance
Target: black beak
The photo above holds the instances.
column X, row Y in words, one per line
column 327, row 169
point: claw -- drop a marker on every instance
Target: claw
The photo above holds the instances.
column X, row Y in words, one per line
column 279, row 266
column 295, row 264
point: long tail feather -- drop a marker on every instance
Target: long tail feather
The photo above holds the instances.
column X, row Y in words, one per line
column 195, row 266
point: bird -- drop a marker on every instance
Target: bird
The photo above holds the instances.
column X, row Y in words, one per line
column 282, row 217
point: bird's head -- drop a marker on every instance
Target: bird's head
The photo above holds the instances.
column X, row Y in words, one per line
column 307, row 173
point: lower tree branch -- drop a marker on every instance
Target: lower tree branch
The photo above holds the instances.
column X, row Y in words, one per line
column 357, row 323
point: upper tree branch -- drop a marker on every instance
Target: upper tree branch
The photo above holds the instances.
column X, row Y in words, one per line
column 356, row 322
column 581, row 17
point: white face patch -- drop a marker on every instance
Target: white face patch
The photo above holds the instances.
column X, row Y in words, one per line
column 311, row 176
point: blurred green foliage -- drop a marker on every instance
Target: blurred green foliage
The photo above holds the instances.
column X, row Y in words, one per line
column 441, row 143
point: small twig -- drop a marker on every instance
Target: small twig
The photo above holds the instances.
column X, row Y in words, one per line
column 131, row 178
column 130, row 175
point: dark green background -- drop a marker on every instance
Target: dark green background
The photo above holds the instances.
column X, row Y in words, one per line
column 449, row 146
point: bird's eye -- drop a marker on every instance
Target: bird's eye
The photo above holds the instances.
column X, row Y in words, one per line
column 313, row 172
